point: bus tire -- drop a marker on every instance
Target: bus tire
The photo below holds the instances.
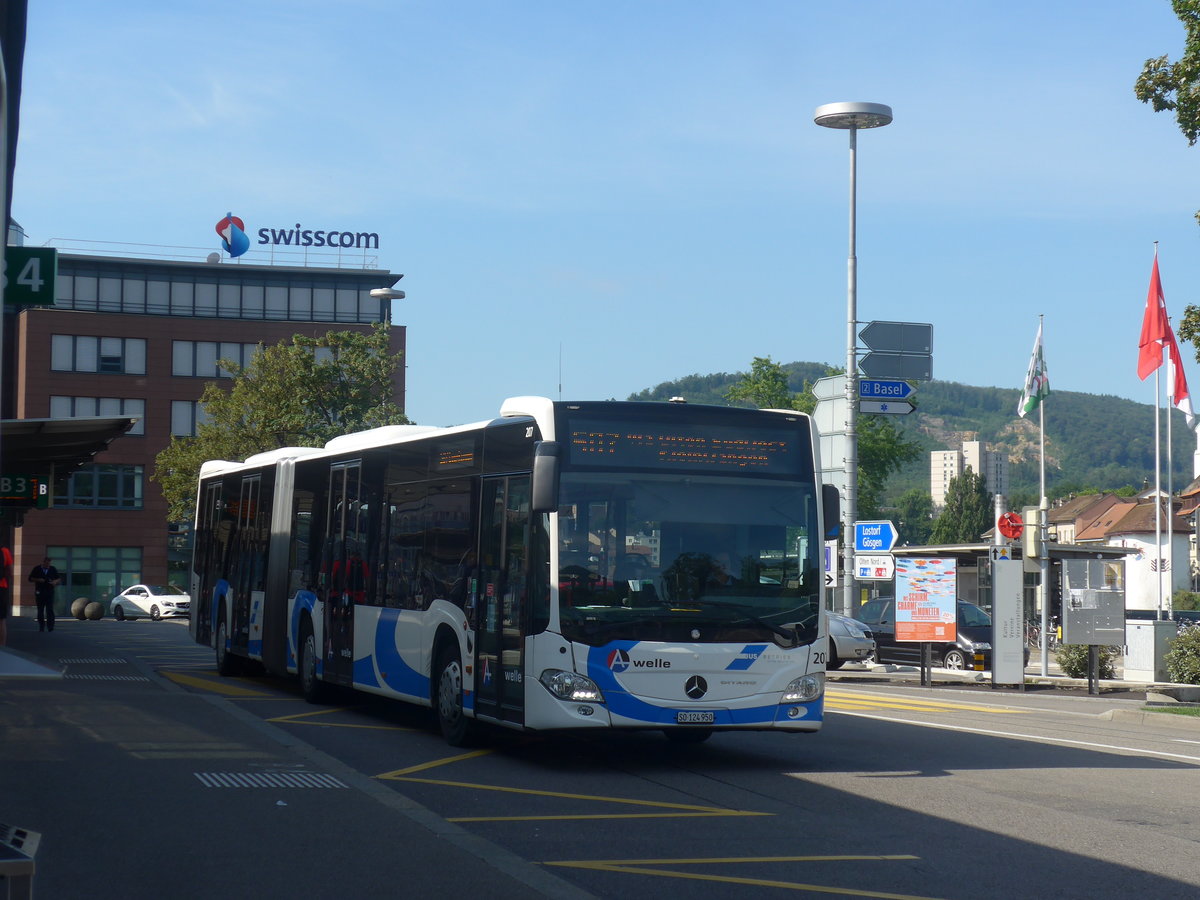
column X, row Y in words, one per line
column 314, row 689
column 227, row 663
column 457, row 729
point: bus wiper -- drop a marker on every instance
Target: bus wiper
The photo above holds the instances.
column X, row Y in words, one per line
column 789, row 634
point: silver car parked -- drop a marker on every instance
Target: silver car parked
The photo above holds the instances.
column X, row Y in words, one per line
column 849, row 641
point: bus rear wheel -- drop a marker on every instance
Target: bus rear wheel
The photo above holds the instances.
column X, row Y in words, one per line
column 227, row 663
column 457, row 729
column 315, row 690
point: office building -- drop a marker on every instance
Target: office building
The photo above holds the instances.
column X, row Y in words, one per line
column 140, row 337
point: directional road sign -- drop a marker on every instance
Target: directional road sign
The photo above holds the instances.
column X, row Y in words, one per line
column 871, row 389
column 886, row 364
column 874, row 537
column 898, row 337
column 831, row 564
column 886, row 407
column 875, row 567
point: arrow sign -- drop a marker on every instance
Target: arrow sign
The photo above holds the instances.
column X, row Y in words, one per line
column 831, row 561
column 908, row 366
column 885, row 407
column 869, row 389
column 874, row 537
column 898, row 337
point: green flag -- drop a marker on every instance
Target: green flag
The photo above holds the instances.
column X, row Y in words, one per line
column 1037, row 382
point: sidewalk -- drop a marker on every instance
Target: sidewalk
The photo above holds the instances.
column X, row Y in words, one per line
column 110, row 767
column 1156, row 692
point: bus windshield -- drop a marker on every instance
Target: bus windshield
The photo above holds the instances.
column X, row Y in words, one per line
column 690, row 558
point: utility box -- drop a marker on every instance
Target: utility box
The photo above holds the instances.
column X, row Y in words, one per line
column 1147, row 643
column 1093, row 602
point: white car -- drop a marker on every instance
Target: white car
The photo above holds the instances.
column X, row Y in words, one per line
column 154, row 600
column 849, row 641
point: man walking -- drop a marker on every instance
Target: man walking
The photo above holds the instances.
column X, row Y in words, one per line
column 44, row 578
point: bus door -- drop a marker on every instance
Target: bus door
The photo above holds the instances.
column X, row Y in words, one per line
column 344, row 567
column 246, row 560
column 503, row 594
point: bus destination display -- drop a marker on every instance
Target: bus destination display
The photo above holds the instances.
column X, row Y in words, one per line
column 717, row 448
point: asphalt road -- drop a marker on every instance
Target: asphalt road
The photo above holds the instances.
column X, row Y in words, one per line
column 907, row 792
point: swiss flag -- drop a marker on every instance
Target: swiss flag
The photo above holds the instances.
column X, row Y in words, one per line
column 1155, row 328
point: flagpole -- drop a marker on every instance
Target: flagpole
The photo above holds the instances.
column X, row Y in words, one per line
column 1158, row 487
column 1043, row 507
column 1166, row 613
column 1043, row 560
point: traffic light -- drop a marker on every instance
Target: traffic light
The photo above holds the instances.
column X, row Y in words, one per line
column 1031, row 534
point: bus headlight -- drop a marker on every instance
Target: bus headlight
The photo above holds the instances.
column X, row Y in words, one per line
column 571, row 686
column 804, row 689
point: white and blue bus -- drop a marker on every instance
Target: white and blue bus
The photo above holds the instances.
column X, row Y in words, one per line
column 562, row 566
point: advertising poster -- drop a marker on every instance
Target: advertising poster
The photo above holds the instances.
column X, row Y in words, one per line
column 926, row 599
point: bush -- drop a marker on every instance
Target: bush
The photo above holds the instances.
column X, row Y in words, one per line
column 1073, row 660
column 1183, row 661
column 1185, row 600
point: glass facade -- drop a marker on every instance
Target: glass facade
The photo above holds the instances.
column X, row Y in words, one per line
column 226, row 293
column 100, row 486
column 199, row 358
column 82, row 407
column 85, row 353
column 97, row 573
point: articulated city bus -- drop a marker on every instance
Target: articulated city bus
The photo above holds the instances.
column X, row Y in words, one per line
column 563, row 566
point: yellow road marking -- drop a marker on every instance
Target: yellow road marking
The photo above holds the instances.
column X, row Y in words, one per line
column 432, row 764
column 298, row 719
column 641, row 867
column 677, row 810
column 715, row 813
column 851, row 700
column 217, row 687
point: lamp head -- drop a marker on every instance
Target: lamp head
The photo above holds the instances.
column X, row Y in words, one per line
column 853, row 115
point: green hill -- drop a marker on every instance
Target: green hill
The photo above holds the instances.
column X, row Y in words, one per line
column 1093, row 441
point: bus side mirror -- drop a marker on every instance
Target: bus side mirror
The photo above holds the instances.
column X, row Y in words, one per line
column 545, row 477
column 831, row 511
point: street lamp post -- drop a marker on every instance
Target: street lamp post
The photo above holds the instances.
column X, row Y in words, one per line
column 851, row 117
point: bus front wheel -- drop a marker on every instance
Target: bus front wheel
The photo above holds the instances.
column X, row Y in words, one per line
column 457, row 729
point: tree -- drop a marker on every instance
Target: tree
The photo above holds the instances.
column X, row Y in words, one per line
column 1175, row 86
column 914, row 517
column 967, row 514
column 766, row 387
column 882, row 449
column 290, row 395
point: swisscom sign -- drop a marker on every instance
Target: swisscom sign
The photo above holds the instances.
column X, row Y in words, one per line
column 236, row 242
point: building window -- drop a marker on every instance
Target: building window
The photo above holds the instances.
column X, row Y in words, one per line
column 97, row 573
column 84, row 353
column 100, row 486
column 81, row 407
column 186, row 415
column 199, row 358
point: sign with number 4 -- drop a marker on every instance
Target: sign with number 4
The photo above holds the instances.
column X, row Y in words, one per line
column 29, row 276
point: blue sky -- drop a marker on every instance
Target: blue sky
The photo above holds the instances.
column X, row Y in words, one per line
column 641, row 183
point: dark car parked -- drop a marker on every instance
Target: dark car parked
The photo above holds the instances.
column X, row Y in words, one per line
column 974, row 636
